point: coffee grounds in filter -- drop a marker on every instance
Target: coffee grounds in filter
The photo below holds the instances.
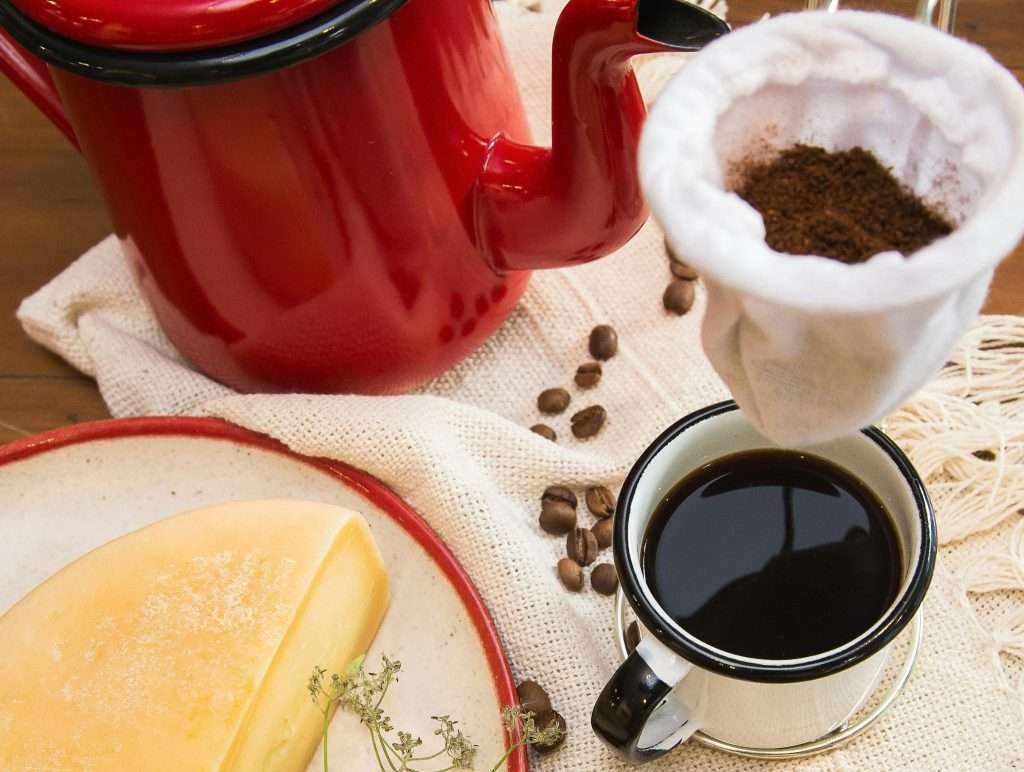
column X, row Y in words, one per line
column 843, row 205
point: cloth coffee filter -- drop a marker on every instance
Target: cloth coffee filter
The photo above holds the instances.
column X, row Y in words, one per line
column 460, row 452
column 812, row 348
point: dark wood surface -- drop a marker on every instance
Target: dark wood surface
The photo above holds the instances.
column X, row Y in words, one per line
column 50, row 213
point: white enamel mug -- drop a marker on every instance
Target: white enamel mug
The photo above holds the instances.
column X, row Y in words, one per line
column 674, row 684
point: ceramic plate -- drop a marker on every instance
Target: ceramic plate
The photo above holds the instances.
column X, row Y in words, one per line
column 68, row 491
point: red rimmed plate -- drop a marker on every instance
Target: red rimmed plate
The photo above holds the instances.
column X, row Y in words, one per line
column 67, row 491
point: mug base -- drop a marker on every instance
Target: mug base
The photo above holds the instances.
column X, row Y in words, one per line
column 888, row 687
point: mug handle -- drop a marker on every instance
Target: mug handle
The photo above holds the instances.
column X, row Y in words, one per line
column 637, row 714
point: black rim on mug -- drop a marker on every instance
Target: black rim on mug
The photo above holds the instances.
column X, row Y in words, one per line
column 716, row 661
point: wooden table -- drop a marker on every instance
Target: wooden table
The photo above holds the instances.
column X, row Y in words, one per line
column 50, row 213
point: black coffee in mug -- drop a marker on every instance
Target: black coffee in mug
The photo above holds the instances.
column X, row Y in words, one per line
column 772, row 554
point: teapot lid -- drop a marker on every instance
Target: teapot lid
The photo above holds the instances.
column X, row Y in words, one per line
column 184, row 42
column 171, row 25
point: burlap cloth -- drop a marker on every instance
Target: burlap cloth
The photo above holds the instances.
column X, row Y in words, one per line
column 459, row 451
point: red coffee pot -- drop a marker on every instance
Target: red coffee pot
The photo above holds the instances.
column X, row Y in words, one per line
column 342, row 196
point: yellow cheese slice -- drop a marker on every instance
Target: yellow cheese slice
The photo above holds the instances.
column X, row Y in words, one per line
column 187, row 645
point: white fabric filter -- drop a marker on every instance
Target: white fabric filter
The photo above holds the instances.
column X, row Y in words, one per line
column 812, row 348
column 459, row 452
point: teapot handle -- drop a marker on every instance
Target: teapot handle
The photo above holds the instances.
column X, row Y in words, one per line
column 33, row 78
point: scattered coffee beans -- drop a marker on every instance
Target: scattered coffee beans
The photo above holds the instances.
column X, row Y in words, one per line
column 604, row 342
column 533, row 698
column 678, row 297
column 843, row 205
column 571, row 574
column 581, row 546
column 557, row 517
column 603, row 533
column 559, row 493
column 604, row 579
column 544, row 431
column 632, row 636
column 543, row 722
column 600, row 501
column 588, row 375
column 588, row 422
column 679, row 268
column 682, row 271
column 553, row 401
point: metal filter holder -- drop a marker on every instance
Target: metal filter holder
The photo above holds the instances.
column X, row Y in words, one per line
column 838, row 736
column 940, row 14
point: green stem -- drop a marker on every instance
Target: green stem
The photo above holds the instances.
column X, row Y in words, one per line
column 376, row 752
column 387, row 746
column 326, row 724
column 384, row 691
column 509, row 752
column 413, row 759
column 428, row 758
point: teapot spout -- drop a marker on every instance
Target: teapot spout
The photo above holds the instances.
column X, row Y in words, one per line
column 580, row 199
column 677, row 25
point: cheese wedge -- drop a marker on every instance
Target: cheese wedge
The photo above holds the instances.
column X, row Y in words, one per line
column 187, row 645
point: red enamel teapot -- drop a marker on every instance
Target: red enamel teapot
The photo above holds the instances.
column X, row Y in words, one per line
column 341, row 195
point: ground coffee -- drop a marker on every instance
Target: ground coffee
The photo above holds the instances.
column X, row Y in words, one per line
column 844, row 205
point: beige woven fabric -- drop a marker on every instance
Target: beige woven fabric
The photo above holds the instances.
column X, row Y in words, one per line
column 459, row 452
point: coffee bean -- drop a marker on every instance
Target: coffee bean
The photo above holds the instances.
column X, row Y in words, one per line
column 604, row 579
column 544, row 431
column 679, row 267
column 559, row 493
column 678, row 297
column 553, row 401
column 682, row 271
column 600, row 501
column 545, row 722
column 533, row 698
column 571, row 574
column 632, row 636
column 604, row 342
column 588, row 422
column 588, row 375
column 984, row 455
column 603, row 533
column 581, row 546
column 557, row 517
